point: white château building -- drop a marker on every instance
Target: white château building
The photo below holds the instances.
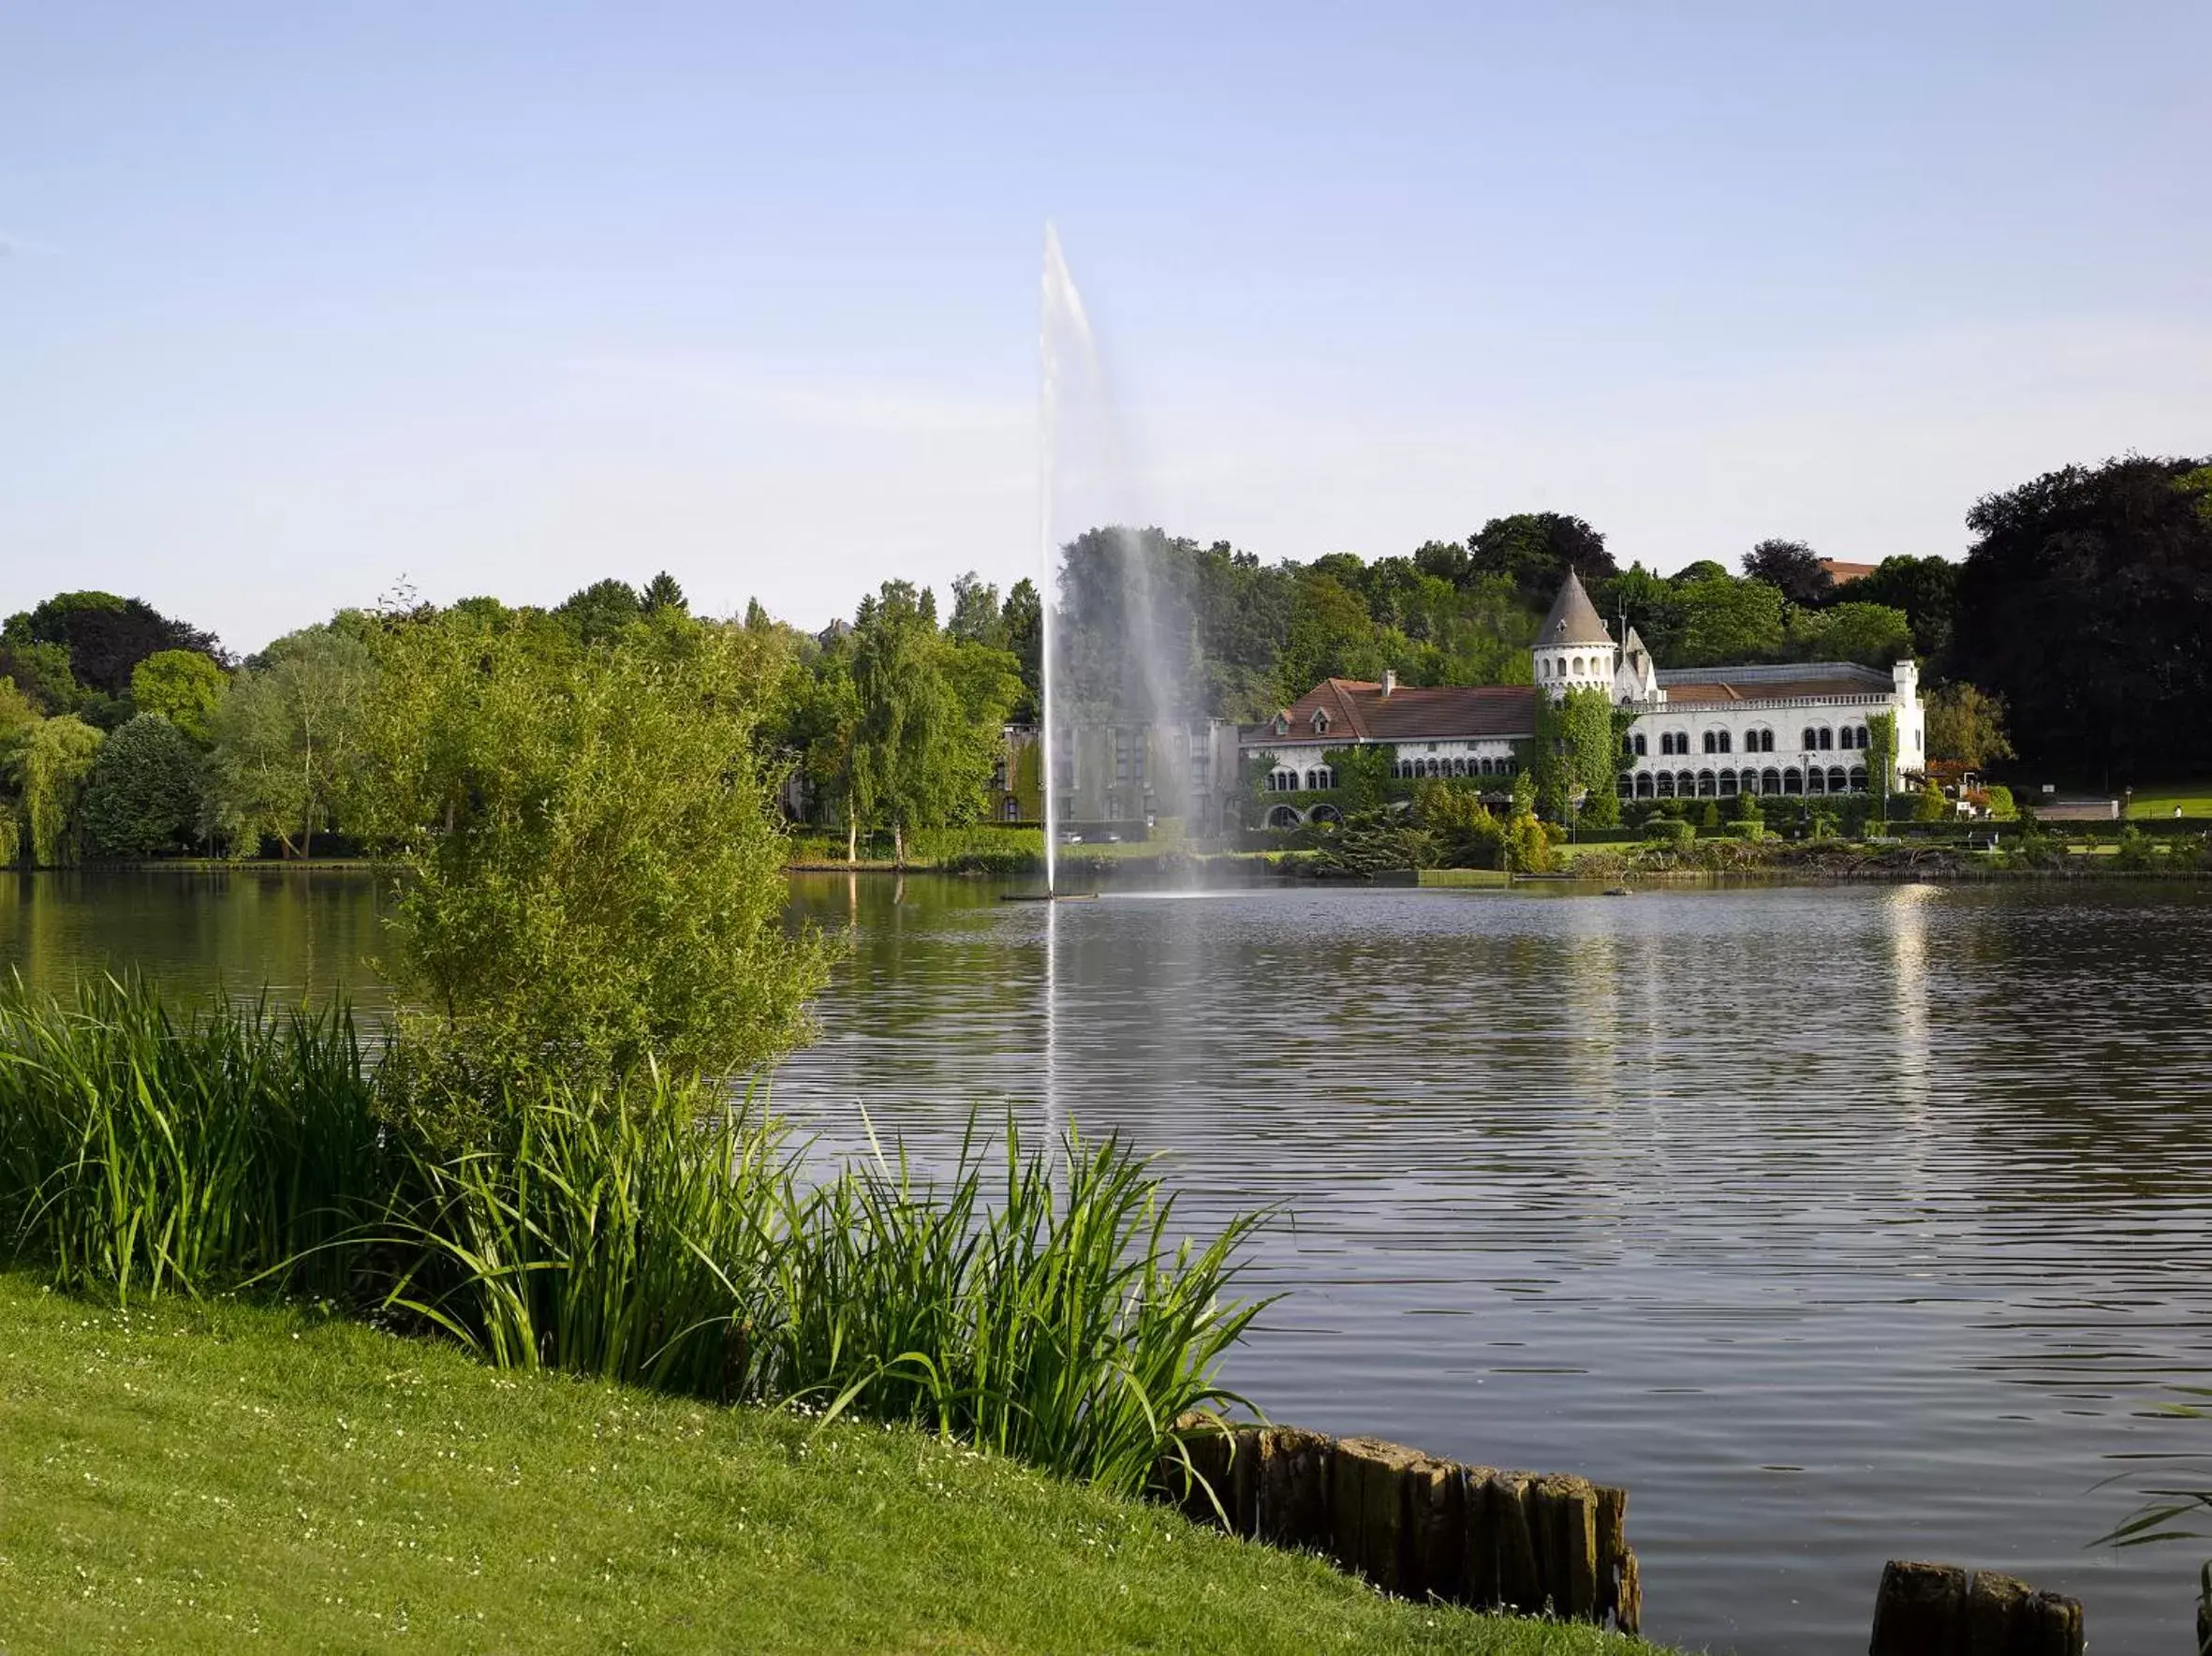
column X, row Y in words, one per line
column 1703, row 732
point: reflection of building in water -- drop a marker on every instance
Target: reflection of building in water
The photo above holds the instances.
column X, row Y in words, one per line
column 1700, row 732
column 1588, row 982
column 1906, row 912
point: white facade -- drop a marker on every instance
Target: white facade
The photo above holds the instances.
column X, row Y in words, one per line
column 1764, row 734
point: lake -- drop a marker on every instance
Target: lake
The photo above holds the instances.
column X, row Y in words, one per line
column 1837, row 1225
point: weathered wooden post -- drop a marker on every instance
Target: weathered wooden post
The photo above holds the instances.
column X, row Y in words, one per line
column 1943, row 1610
column 1295, row 1473
column 1413, row 1525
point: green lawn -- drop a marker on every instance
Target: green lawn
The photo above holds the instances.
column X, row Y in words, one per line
column 183, row 1478
column 2195, row 800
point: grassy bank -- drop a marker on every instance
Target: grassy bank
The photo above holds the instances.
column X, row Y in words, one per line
column 186, row 1475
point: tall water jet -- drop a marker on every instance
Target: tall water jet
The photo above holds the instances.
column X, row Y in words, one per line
column 1116, row 641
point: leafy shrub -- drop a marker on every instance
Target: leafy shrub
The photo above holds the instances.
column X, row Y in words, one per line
column 1671, row 832
column 592, row 866
column 2137, row 851
column 142, row 796
column 2000, row 805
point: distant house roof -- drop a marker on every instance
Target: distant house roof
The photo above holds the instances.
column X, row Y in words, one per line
column 1691, row 686
column 1359, row 711
column 1840, row 572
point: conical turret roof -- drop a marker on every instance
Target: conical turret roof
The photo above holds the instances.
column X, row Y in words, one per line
column 1573, row 619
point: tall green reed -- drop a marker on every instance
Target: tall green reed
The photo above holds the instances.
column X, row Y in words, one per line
column 140, row 1152
column 627, row 1237
column 1035, row 1302
column 1060, row 1324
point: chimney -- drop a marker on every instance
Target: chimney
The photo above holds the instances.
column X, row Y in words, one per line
column 1390, row 680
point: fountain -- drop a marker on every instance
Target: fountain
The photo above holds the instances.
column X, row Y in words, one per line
column 1085, row 506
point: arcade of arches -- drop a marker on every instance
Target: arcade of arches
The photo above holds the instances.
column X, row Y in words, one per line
column 1726, row 784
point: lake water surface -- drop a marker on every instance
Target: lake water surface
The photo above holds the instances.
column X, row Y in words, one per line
column 1837, row 1225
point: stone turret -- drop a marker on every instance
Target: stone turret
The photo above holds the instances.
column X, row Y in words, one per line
column 1638, row 677
column 1572, row 649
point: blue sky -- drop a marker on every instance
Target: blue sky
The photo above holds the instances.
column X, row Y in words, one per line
column 298, row 302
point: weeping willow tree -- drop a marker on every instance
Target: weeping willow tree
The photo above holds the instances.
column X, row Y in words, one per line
column 49, row 763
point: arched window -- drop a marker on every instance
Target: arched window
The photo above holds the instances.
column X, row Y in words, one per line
column 1708, row 784
column 1283, row 816
column 1544, row 667
column 1328, row 776
column 1827, row 738
column 1625, row 785
column 1858, row 778
column 1770, row 781
column 1284, row 781
column 1837, row 781
column 1727, row 784
column 1792, row 780
column 1759, row 740
column 1642, row 784
column 1726, row 741
column 1812, row 738
column 1636, row 744
column 1664, row 784
column 1750, row 781
column 1816, row 779
column 1011, row 809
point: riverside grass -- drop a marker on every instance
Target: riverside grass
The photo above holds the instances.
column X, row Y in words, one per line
column 635, row 1237
column 199, row 1475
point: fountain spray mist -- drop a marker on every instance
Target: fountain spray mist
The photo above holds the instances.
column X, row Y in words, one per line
column 1116, row 638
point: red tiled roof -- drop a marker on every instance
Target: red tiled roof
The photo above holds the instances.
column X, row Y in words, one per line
column 1360, row 712
column 1839, row 571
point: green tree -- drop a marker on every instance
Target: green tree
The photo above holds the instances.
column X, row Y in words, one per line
column 977, row 617
column 1873, row 634
column 1466, row 834
column 182, row 687
column 591, row 863
column 142, row 796
column 599, row 613
column 1723, row 620
column 48, row 761
column 41, row 673
column 663, row 593
column 930, row 711
column 1793, row 568
column 1925, row 588
column 1331, row 636
column 286, row 738
column 1967, row 725
column 2085, row 604
column 1022, row 625
column 106, row 636
column 1536, row 549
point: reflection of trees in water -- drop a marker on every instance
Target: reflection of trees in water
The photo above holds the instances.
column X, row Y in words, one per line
column 291, row 932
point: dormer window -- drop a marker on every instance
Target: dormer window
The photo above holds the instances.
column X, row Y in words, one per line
column 1282, row 724
column 1320, row 721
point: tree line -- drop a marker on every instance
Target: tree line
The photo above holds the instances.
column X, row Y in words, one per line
column 2071, row 637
